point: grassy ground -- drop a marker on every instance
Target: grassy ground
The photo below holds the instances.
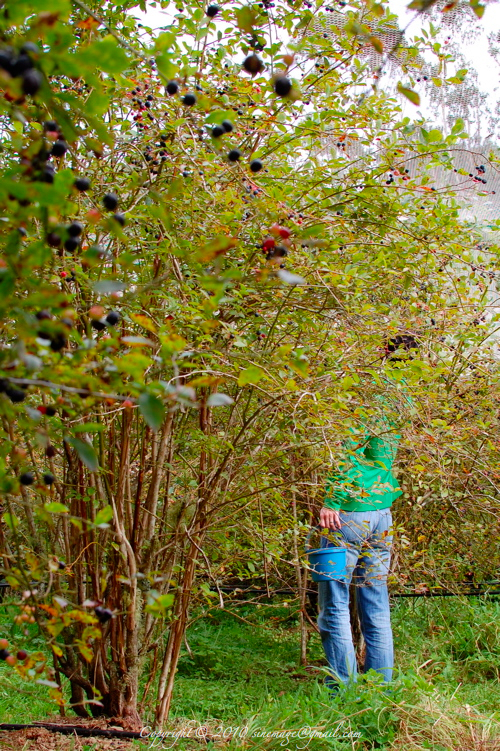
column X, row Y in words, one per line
column 244, row 673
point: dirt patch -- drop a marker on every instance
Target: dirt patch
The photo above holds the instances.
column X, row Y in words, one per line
column 40, row 739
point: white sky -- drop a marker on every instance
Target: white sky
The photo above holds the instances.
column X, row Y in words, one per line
column 474, row 49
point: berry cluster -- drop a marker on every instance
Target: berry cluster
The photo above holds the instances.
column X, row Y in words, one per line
column 9, row 658
column 21, row 65
column 397, row 173
column 99, row 321
column 142, row 101
column 28, row 478
column 273, row 251
column 38, row 167
column 54, row 332
column 225, row 127
column 15, row 394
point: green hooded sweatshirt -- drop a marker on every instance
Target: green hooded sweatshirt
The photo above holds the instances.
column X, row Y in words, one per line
column 365, row 481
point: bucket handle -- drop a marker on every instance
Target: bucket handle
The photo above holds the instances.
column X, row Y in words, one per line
column 313, row 529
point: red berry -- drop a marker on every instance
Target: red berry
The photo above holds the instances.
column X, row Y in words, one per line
column 21, row 655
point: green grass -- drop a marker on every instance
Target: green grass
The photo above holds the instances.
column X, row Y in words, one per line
column 20, row 699
column 245, row 672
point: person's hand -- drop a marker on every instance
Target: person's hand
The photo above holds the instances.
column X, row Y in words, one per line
column 329, row 518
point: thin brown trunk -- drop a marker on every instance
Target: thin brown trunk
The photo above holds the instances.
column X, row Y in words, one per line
column 357, row 635
column 183, row 596
column 154, row 486
column 140, row 480
column 300, row 575
column 176, row 637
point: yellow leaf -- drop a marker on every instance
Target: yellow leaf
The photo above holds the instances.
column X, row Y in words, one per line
column 143, row 321
column 413, row 97
column 376, row 44
column 206, row 380
column 217, row 247
column 85, row 650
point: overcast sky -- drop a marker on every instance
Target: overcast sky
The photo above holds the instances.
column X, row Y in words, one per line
column 475, row 49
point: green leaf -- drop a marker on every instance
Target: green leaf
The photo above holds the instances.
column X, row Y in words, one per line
column 421, row 5
column 56, row 508
column 458, row 126
column 89, row 427
column 103, row 516
column 165, row 41
column 166, row 66
column 253, row 374
column 97, row 103
column 413, row 97
column 245, row 18
column 11, row 521
column 477, row 8
column 19, row 10
column 159, row 604
column 107, row 55
column 217, row 116
column 435, row 135
column 152, row 409
column 86, row 453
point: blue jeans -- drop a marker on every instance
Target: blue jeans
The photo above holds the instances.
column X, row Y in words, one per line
column 367, row 537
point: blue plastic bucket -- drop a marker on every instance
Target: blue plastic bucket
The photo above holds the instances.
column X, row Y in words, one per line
column 326, row 564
